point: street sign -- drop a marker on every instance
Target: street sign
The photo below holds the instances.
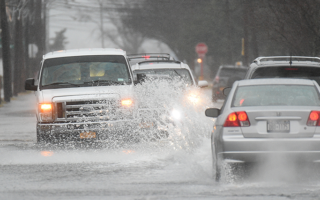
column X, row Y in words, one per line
column 201, row 49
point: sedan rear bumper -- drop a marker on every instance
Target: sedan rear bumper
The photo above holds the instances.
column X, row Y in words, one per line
column 265, row 156
column 236, row 147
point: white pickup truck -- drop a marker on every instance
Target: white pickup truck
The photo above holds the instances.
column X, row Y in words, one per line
column 84, row 94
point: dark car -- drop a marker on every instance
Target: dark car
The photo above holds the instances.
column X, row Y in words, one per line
column 225, row 77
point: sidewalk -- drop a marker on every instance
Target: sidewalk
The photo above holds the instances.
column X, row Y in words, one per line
column 17, row 119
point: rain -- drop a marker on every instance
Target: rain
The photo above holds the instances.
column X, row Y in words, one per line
column 137, row 99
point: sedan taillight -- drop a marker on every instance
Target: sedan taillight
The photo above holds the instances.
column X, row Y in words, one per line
column 237, row 119
column 314, row 118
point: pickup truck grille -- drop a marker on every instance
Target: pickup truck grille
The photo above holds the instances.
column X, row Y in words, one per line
column 92, row 110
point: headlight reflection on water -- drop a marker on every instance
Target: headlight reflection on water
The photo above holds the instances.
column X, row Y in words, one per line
column 128, row 151
column 46, row 153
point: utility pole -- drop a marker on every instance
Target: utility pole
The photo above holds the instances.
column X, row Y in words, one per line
column 229, row 33
column 32, row 62
column 101, row 23
column 26, row 41
column 245, row 40
column 5, row 39
column 38, row 30
column 44, row 27
column 18, row 55
column 253, row 30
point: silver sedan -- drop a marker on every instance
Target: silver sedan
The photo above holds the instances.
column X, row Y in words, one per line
column 263, row 118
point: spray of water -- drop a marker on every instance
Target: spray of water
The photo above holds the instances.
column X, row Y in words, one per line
column 174, row 113
column 274, row 168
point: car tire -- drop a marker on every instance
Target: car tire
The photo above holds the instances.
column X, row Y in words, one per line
column 41, row 136
column 38, row 136
column 216, row 162
column 218, row 165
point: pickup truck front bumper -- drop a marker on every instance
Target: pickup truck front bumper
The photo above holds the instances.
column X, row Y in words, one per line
column 80, row 130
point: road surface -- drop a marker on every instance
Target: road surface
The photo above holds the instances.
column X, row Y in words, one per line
column 155, row 170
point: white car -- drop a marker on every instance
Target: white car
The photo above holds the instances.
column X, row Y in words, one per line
column 264, row 118
column 136, row 58
column 83, row 94
column 170, row 68
column 162, row 104
column 285, row 67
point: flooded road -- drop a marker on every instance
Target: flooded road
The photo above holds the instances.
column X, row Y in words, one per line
column 155, row 170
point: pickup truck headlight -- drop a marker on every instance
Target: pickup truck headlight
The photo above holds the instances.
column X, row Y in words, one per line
column 126, row 102
column 45, row 111
column 193, row 98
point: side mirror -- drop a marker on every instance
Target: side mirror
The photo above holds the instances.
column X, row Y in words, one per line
column 212, row 112
column 203, row 84
column 226, row 91
column 140, row 78
column 29, row 85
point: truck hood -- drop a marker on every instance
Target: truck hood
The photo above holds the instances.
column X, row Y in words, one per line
column 124, row 91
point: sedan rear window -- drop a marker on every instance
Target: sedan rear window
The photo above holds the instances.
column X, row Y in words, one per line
column 276, row 95
column 168, row 74
column 233, row 72
column 302, row 72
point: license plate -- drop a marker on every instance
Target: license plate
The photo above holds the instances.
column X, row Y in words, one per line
column 278, row 126
column 87, row 135
column 146, row 125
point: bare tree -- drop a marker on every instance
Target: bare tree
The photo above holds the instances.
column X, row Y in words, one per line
column 110, row 24
column 122, row 35
column 18, row 61
column 293, row 24
column 5, row 39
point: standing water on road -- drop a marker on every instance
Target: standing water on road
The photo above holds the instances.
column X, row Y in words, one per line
column 142, row 170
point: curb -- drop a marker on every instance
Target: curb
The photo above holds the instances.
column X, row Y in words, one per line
column 13, row 98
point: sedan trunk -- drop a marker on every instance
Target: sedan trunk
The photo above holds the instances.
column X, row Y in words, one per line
column 277, row 122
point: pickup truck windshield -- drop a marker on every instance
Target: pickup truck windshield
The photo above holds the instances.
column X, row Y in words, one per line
column 83, row 71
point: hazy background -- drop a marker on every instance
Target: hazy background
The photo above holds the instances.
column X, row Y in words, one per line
column 84, row 33
column 235, row 31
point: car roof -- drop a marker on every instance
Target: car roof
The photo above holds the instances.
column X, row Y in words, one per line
column 84, row 52
column 233, row 67
column 285, row 61
column 276, row 81
column 155, row 64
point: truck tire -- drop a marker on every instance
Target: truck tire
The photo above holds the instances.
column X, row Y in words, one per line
column 41, row 136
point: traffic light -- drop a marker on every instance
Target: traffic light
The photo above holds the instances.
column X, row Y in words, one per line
column 199, row 60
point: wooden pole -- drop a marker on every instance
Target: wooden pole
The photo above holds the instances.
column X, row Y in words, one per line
column 5, row 40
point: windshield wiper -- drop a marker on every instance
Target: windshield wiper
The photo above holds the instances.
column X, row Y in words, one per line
column 109, row 82
column 178, row 73
column 61, row 83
